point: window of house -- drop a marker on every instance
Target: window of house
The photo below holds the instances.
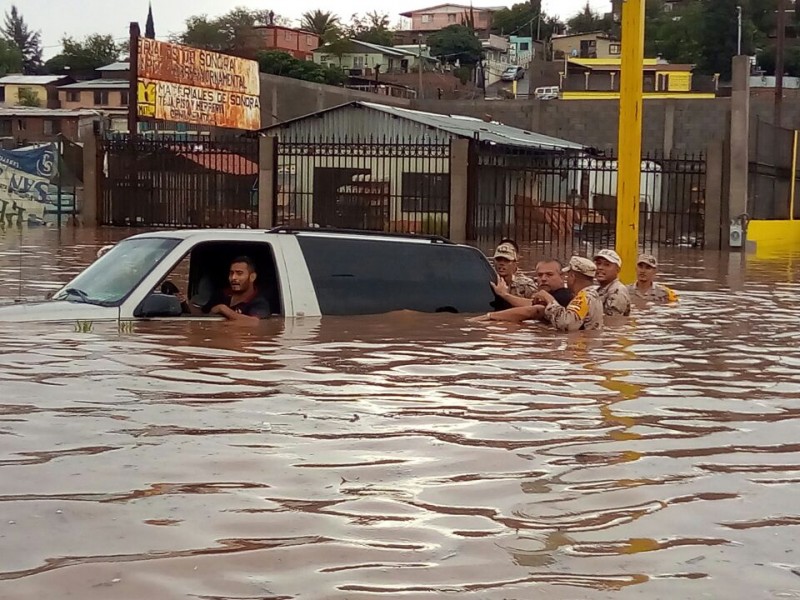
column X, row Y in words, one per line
column 309, row 40
column 427, row 18
column 47, row 127
column 451, row 18
column 524, row 46
column 22, row 125
column 73, row 96
column 5, row 127
column 358, row 62
column 614, row 49
column 426, row 192
column 123, row 98
column 101, row 98
column 2, row 93
column 287, row 35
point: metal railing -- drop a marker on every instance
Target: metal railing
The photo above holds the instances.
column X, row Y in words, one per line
column 368, row 183
column 180, row 182
column 569, row 200
column 771, row 171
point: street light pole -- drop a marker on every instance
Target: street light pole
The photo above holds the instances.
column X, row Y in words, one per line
column 739, row 33
column 779, row 44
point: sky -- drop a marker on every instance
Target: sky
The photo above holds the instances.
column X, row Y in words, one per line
column 79, row 18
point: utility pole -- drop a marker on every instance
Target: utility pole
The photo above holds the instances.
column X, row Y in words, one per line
column 779, row 51
column 419, row 69
column 629, row 163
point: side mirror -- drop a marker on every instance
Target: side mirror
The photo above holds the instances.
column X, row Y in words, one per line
column 159, row 305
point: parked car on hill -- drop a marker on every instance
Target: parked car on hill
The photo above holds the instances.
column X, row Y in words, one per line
column 305, row 272
column 513, row 73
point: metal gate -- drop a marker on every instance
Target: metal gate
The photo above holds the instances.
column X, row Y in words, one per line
column 371, row 184
column 164, row 182
column 569, row 201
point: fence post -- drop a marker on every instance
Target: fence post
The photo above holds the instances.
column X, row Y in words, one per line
column 267, row 180
column 713, row 197
column 459, row 189
column 740, row 138
column 91, row 181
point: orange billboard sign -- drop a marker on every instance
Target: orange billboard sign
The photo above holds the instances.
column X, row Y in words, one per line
column 191, row 85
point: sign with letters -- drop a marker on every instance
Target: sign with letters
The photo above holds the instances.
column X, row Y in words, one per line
column 25, row 175
column 191, row 85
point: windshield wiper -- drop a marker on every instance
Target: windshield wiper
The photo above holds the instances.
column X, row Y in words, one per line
column 78, row 293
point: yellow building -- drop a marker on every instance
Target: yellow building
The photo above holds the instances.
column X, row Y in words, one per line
column 598, row 79
column 31, row 90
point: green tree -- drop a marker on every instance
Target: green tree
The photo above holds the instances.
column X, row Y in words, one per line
column 29, row 43
column 675, row 36
column 82, row 57
column 27, row 97
column 284, row 64
column 719, row 34
column 225, row 33
column 10, row 58
column 588, row 21
column 372, row 28
column 324, row 23
column 523, row 19
column 456, row 43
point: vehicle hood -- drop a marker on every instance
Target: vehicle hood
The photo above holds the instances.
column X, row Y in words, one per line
column 56, row 310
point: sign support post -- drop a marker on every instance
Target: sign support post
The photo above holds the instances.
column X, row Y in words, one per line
column 630, row 137
column 133, row 89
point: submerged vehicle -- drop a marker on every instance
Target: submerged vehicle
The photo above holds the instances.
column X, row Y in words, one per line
column 301, row 273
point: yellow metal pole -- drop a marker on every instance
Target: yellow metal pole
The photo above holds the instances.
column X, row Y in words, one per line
column 514, row 88
column 630, row 136
column 794, row 177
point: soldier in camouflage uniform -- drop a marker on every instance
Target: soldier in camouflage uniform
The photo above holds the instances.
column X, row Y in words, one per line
column 585, row 311
column 614, row 295
column 505, row 263
column 645, row 287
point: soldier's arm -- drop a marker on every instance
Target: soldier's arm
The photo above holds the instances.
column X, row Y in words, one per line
column 563, row 319
column 518, row 314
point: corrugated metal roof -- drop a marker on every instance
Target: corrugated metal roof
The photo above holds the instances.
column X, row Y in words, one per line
column 31, row 79
column 117, row 66
column 455, row 125
column 471, row 127
column 97, row 84
column 26, row 111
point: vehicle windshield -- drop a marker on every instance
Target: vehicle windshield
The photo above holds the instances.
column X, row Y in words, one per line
column 113, row 276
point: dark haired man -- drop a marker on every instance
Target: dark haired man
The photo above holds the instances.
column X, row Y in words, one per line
column 241, row 301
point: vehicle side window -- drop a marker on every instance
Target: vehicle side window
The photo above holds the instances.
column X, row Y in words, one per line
column 202, row 274
column 210, row 264
column 353, row 276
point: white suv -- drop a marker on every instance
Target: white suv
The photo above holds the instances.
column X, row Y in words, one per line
column 300, row 273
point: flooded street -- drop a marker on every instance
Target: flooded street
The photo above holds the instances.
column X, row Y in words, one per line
column 413, row 456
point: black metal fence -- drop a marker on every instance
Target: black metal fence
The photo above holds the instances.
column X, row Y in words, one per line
column 375, row 184
column 569, row 200
column 180, row 182
column 769, row 195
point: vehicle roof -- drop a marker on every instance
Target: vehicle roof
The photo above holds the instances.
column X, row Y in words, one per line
column 277, row 233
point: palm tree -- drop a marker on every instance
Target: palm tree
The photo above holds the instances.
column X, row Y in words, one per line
column 323, row 23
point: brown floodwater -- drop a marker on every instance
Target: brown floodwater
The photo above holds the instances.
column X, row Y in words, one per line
column 411, row 456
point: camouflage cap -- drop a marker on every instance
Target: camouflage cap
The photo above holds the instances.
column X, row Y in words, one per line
column 580, row 265
column 505, row 251
column 610, row 256
column 647, row 259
